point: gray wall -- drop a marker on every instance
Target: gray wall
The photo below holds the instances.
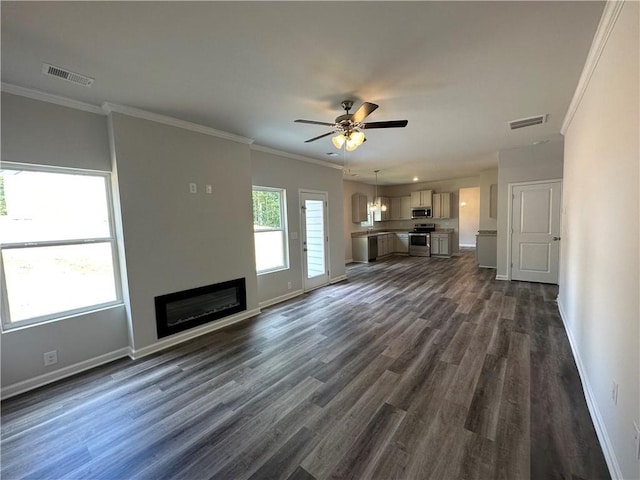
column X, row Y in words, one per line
column 45, row 134
column 487, row 178
column 175, row 240
column 600, row 264
column 272, row 170
column 527, row 164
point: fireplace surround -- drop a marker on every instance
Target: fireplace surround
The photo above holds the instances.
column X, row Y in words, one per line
column 179, row 311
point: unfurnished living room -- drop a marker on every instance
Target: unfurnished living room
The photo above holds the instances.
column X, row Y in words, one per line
column 309, row 240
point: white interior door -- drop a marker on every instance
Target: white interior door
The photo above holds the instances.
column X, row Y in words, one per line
column 535, row 232
column 315, row 239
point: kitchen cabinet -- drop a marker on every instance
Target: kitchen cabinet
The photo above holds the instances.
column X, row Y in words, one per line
column 362, row 250
column 383, row 245
column 421, row 198
column 358, row 208
column 441, row 244
column 441, row 205
column 383, row 214
column 401, row 208
column 486, row 248
column 402, row 243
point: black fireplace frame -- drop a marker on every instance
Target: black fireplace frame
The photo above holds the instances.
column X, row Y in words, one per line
column 164, row 330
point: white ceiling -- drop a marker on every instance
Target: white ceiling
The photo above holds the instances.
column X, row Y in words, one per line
column 457, row 71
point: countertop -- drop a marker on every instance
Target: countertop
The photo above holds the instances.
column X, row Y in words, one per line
column 375, row 233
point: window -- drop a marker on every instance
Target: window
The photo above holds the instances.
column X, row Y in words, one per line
column 270, row 229
column 58, row 252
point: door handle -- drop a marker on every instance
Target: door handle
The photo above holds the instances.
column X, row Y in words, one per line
column 555, row 239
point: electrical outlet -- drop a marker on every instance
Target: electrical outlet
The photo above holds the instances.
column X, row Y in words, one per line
column 614, row 392
column 193, row 188
column 50, row 358
column 289, row 285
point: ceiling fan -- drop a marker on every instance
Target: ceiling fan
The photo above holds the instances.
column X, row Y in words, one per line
column 349, row 126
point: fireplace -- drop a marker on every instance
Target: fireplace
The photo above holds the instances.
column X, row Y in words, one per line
column 180, row 311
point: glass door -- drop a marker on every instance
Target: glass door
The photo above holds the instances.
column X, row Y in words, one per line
column 315, row 239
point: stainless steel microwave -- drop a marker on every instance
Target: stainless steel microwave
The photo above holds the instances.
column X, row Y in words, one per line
column 423, row 212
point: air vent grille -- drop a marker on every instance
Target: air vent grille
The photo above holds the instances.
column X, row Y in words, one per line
column 527, row 122
column 67, row 75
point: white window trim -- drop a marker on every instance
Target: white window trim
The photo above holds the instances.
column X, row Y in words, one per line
column 284, row 229
column 6, row 323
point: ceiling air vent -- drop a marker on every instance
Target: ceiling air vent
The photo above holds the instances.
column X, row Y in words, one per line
column 67, row 75
column 527, row 122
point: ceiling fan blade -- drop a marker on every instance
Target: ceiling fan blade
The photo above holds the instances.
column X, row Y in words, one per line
column 363, row 112
column 313, row 122
column 389, row 124
column 319, row 137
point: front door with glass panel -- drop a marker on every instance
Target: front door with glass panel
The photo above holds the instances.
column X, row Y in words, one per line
column 315, row 239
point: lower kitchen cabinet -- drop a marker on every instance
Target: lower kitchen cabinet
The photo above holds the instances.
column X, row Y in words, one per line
column 383, row 245
column 441, row 244
column 402, row 243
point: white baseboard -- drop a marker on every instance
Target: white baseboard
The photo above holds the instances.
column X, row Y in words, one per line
column 596, row 418
column 468, row 245
column 280, row 299
column 41, row 380
column 339, row 279
column 192, row 333
column 347, row 262
column 502, row 277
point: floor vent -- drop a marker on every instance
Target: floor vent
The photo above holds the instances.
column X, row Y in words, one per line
column 527, row 122
column 67, row 75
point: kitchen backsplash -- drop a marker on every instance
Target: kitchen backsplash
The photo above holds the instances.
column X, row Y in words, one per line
column 408, row 224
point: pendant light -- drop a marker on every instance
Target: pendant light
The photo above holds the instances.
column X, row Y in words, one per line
column 377, row 204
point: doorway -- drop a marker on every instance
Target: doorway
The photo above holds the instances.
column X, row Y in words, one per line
column 315, row 239
column 469, row 216
column 535, row 231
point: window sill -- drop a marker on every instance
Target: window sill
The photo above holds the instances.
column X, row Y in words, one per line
column 15, row 328
column 267, row 272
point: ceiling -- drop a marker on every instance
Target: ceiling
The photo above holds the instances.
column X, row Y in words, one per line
column 457, row 71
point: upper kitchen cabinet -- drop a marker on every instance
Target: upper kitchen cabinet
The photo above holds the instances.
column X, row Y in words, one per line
column 358, row 208
column 421, row 198
column 384, row 213
column 401, row 208
column 442, row 205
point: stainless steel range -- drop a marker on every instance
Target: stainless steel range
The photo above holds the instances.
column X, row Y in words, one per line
column 420, row 239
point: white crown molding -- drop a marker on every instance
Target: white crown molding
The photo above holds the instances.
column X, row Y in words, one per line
column 174, row 122
column 605, row 27
column 51, row 98
column 260, row 148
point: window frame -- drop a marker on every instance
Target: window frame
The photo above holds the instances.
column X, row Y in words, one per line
column 284, row 228
column 6, row 323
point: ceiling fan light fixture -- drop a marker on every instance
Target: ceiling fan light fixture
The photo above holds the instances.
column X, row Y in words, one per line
column 338, row 141
column 351, row 146
column 354, row 140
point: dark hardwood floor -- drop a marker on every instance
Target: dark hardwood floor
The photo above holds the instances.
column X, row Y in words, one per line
column 414, row 368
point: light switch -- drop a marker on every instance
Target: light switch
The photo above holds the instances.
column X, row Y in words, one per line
column 193, row 188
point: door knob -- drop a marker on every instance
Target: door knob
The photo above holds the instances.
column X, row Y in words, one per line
column 555, row 239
